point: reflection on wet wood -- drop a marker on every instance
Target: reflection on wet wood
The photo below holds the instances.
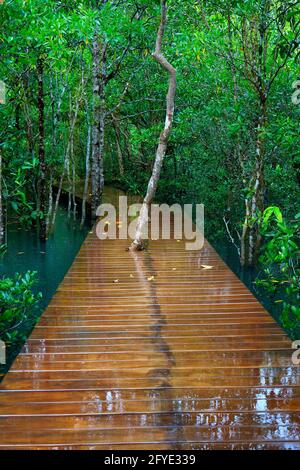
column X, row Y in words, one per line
column 171, row 356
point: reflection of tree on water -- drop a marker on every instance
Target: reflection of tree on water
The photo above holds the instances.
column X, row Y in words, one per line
column 160, row 376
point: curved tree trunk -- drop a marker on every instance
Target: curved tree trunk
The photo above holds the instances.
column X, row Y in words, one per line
column 137, row 244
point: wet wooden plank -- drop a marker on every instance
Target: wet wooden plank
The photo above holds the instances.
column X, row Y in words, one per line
column 187, row 360
column 175, row 434
column 83, row 404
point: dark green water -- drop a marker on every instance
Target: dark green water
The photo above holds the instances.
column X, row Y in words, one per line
column 51, row 260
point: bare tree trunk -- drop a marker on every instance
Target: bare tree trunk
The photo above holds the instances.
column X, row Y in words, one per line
column 87, row 168
column 26, row 108
column 42, row 163
column 56, row 112
column 17, row 119
column 98, row 132
column 2, row 228
column 68, row 162
column 137, row 244
column 95, row 132
column 50, row 200
column 128, row 145
column 232, row 57
column 74, row 185
column 62, row 177
column 254, row 204
column 66, row 159
column 118, row 142
column 101, row 147
column 52, row 96
column 29, row 132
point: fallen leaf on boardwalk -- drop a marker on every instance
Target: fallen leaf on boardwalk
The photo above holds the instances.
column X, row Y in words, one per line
column 178, row 241
column 174, row 269
column 151, row 278
column 205, row 266
column 131, row 275
column 116, row 281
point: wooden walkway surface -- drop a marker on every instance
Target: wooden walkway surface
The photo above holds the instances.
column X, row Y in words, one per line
column 152, row 351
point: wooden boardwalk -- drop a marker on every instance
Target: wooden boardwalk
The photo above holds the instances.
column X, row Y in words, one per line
column 152, row 351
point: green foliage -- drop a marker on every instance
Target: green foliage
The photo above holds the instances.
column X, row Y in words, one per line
column 17, row 304
column 17, row 195
column 281, row 264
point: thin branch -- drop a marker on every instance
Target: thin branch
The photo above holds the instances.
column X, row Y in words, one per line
column 226, row 222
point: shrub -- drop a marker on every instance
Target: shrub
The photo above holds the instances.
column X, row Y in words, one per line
column 17, row 306
column 281, row 264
